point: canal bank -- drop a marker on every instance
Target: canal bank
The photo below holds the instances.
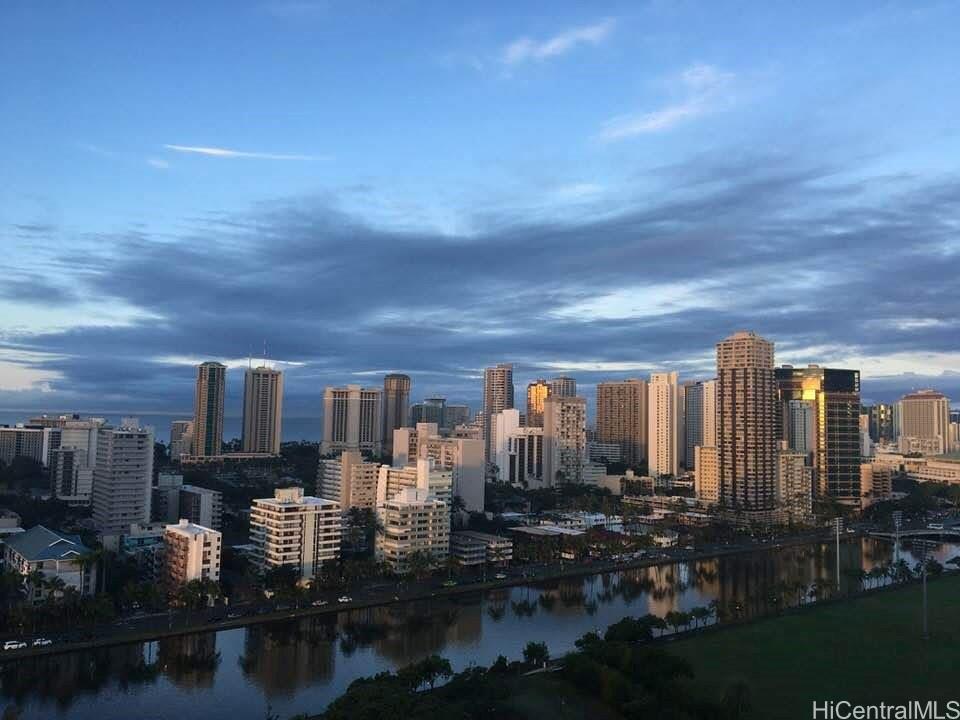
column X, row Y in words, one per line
column 178, row 624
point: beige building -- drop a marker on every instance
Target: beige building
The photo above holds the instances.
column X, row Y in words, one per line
column 564, row 439
column 262, row 410
column 471, row 548
column 181, row 438
column 706, row 475
column 352, row 420
column 414, row 521
column 925, row 423
column 622, row 417
column 295, row 530
column 424, row 474
column 463, row 458
column 208, row 409
column 876, row 481
column 348, row 480
column 664, row 410
column 794, row 490
column 746, row 423
column 191, row 552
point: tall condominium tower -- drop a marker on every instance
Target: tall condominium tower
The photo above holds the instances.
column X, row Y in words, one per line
column 663, row 424
column 352, row 419
column 181, row 438
column 122, row 478
column 881, row 423
column 431, row 410
column 700, row 418
column 564, row 439
column 622, row 417
column 208, row 409
column 497, row 396
column 746, row 422
column 396, row 406
column 563, row 386
column 537, row 392
column 262, row 410
column 832, row 435
column 925, row 422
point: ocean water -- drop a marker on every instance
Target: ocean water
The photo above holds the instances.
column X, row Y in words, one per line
column 294, row 428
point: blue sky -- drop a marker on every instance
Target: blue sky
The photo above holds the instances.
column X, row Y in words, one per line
column 603, row 189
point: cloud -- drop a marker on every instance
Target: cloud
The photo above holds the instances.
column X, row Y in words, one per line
column 227, row 153
column 704, row 89
column 526, row 49
column 791, row 249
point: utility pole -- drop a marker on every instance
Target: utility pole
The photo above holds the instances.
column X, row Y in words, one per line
column 897, row 521
column 924, row 546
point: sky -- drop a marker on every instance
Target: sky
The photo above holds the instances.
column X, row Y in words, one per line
column 596, row 189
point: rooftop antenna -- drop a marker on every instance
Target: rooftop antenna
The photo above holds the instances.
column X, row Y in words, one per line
column 265, row 352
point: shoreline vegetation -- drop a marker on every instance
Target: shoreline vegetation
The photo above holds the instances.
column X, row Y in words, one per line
column 846, row 648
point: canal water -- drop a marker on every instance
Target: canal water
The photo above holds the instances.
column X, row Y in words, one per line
column 298, row 666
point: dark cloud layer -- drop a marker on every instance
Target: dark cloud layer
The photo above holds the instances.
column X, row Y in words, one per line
column 819, row 263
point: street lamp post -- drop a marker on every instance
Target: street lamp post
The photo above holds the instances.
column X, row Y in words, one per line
column 897, row 521
column 838, row 526
column 924, row 546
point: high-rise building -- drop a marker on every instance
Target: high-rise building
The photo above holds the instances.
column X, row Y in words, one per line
column 431, row 410
column 463, row 457
column 564, row 439
column 537, row 392
column 295, row 530
column 700, row 418
column 876, row 481
column 456, row 415
column 262, row 410
column 348, row 480
column 497, row 396
column 34, row 442
column 208, row 409
column 72, row 463
column 563, row 386
column 622, row 418
column 746, row 423
column 663, row 424
column 191, row 552
column 925, row 422
column 832, row 396
column 122, row 478
column 882, row 428
column 352, row 420
column 706, row 475
column 181, row 438
column 794, row 490
column 396, row 406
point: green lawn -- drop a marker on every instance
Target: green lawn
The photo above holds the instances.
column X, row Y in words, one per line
column 547, row 696
column 866, row 651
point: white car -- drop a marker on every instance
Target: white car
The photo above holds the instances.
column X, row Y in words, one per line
column 500, row 576
column 319, row 603
column 345, row 599
column 42, row 642
column 14, row 645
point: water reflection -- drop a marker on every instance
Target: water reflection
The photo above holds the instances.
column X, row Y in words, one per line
column 301, row 665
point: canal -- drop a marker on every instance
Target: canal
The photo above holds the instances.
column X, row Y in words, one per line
column 299, row 666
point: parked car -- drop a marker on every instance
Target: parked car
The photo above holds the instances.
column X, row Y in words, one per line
column 42, row 642
column 449, row 583
column 501, row 576
column 344, row 599
column 14, row 645
column 319, row 603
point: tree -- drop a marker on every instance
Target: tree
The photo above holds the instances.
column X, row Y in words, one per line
column 536, row 653
column 433, row 668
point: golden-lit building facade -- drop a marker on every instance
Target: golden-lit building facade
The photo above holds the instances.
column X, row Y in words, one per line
column 537, row 393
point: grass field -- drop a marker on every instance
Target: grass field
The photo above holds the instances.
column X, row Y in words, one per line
column 866, row 651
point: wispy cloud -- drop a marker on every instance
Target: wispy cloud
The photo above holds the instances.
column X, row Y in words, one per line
column 525, row 49
column 158, row 163
column 228, row 153
column 704, row 89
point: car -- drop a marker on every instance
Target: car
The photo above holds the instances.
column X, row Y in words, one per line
column 234, row 615
column 319, row 603
column 42, row 642
column 14, row 645
column 501, row 576
column 449, row 583
column 344, row 599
